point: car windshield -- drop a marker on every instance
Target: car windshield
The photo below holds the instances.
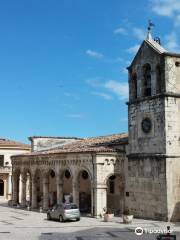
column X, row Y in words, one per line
column 70, row 206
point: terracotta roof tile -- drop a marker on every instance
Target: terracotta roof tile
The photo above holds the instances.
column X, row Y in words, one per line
column 7, row 142
column 95, row 144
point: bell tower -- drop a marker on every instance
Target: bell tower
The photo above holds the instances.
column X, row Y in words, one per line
column 154, row 132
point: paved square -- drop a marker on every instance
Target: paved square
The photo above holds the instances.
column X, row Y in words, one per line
column 25, row 225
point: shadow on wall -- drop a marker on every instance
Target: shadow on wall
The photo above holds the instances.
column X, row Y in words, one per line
column 176, row 213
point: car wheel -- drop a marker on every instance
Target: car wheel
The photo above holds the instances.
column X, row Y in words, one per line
column 48, row 216
column 61, row 218
column 77, row 219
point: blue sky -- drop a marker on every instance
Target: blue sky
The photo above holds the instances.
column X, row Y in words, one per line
column 63, row 62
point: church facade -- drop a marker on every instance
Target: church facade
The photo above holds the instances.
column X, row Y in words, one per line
column 139, row 170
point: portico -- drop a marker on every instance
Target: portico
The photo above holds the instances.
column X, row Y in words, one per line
column 42, row 179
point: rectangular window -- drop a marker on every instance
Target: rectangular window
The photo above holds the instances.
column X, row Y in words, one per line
column 1, row 160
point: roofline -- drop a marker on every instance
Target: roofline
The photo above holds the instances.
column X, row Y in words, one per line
column 15, row 147
column 32, row 137
column 59, row 153
column 171, row 54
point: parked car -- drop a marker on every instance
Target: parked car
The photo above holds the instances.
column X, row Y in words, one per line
column 63, row 212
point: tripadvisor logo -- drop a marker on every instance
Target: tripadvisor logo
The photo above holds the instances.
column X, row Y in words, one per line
column 139, row 231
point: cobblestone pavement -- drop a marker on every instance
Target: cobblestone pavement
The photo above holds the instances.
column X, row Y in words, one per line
column 25, row 225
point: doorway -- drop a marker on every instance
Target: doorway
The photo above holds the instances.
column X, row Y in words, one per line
column 1, row 187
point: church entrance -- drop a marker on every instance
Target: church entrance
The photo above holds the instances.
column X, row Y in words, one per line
column 115, row 194
column 1, row 187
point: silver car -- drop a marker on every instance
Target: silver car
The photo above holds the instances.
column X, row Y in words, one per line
column 63, row 212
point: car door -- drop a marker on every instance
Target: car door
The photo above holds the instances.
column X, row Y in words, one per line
column 57, row 212
column 53, row 212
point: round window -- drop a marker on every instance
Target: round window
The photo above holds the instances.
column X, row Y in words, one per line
column 67, row 174
column 146, row 125
column 84, row 175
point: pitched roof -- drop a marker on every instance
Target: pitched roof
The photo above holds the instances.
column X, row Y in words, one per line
column 156, row 46
column 53, row 137
column 4, row 142
column 95, row 144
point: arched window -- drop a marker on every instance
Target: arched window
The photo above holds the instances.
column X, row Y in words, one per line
column 147, row 80
column 134, row 85
column 158, row 79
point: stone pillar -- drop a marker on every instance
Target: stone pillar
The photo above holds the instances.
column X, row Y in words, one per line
column 20, row 187
column 59, row 189
column 92, row 199
column 5, row 188
column 28, row 188
column 9, row 186
column 45, row 192
column 23, row 188
column 100, row 199
column 34, row 192
column 75, row 191
column 14, row 189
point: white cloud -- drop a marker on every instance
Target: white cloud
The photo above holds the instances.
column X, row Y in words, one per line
column 139, row 33
column 133, row 49
column 177, row 21
column 166, row 7
column 120, row 31
column 95, row 82
column 74, row 115
column 94, row 54
column 103, row 95
column 119, row 88
column 171, row 42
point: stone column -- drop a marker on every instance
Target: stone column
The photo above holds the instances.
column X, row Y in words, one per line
column 14, row 189
column 92, row 199
column 9, row 186
column 59, row 183
column 23, row 188
column 20, row 187
column 34, row 193
column 100, row 198
column 45, row 192
column 28, row 183
column 75, row 191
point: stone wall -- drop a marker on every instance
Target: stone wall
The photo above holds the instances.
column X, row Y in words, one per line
column 173, row 188
column 154, row 141
column 147, row 188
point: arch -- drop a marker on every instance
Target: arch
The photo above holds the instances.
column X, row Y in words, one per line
column 84, row 168
column 115, row 193
column 146, row 80
column 52, row 189
column 84, row 190
column 67, row 188
column 62, row 171
column 158, row 79
column 37, row 184
column 1, row 187
column 134, row 85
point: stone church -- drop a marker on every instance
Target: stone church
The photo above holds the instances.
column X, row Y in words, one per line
column 139, row 170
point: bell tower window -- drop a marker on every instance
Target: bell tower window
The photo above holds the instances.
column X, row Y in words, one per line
column 147, row 80
column 158, row 79
column 134, row 85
